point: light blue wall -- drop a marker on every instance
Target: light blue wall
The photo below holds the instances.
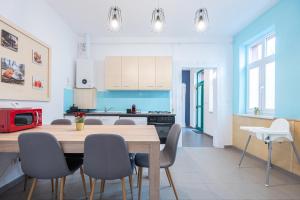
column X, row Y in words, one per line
column 284, row 19
column 121, row 100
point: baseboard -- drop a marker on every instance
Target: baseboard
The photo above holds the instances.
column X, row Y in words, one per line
column 11, row 184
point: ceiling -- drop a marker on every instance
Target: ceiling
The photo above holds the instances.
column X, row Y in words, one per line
column 227, row 17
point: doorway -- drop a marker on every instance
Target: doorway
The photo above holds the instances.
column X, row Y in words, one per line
column 200, row 100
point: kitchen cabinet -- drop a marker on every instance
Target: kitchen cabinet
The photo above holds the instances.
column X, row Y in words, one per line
column 130, row 73
column 137, row 120
column 85, row 98
column 138, row 73
column 147, row 73
column 163, row 73
column 113, row 73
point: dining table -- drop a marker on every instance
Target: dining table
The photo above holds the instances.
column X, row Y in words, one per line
column 139, row 138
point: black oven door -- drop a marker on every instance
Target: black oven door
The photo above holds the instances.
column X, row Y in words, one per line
column 162, row 130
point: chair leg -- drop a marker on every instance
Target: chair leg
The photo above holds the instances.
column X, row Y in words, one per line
column 168, row 177
column 91, row 182
column 32, row 189
column 130, row 184
column 52, row 185
column 102, row 186
column 92, row 189
column 83, row 181
column 140, row 178
column 172, row 183
column 56, row 187
column 123, row 188
column 25, row 182
column 62, row 186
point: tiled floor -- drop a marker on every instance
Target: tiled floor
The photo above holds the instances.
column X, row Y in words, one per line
column 193, row 139
column 199, row 174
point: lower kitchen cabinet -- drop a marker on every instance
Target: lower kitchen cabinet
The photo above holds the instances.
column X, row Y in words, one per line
column 137, row 120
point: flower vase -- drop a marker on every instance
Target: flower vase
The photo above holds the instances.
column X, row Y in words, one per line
column 79, row 126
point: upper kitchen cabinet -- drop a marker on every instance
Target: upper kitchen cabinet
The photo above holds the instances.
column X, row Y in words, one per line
column 130, row 73
column 138, row 73
column 113, row 73
column 163, row 73
column 85, row 98
column 147, row 73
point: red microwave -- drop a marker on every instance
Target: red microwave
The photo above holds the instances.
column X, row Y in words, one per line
column 17, row 119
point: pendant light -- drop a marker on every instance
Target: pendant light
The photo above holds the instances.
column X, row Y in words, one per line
column 201, row 19
column 114, row 18
column 158, row 19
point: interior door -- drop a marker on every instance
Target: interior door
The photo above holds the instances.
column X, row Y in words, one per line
column 200, row 101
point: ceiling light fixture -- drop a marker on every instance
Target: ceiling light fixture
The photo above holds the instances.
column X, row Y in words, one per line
column 201, row 19
column 158, row 18
column 114, row 18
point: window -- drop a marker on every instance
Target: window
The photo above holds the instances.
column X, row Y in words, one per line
column 261, row 75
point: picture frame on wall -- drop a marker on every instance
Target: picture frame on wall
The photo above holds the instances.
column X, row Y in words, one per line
column 9, row 41
column 38, row 83
column 36, row 57
column 11, row 72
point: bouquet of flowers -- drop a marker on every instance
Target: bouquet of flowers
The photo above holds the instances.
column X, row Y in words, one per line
column 79, row 117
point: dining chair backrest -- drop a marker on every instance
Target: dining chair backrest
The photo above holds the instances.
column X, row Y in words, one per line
column 93, row 122
column 61, row 122
column 106, row 157
column 41, row 156
column 170, row 148
column 124, row 122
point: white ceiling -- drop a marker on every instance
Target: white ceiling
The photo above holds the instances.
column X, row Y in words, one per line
column 227, row 17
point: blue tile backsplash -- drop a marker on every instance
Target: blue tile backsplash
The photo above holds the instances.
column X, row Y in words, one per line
column 121, row 100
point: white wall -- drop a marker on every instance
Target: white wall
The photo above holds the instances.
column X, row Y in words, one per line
column 37, row 18
column 210, row 118
column 185, row 54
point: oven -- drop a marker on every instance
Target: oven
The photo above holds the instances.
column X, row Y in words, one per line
column 163, row 124
column 17, row 119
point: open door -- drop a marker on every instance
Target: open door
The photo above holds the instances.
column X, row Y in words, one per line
column 200, row 100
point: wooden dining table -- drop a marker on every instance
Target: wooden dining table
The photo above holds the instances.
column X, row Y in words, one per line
column 140, row 139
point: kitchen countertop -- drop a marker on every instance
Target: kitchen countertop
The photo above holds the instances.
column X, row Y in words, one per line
column 121, row 114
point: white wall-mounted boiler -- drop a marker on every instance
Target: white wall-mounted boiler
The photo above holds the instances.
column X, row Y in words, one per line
column 85, row 73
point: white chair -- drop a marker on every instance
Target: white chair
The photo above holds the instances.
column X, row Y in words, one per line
column 279, row 131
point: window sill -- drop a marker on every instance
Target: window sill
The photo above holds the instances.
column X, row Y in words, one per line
column 257, row 116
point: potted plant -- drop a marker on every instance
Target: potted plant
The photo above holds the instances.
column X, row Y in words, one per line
column 79, row 120
column 256, row 111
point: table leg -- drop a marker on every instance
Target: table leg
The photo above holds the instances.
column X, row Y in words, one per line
column 244, row 151
column 269, row 163
column 154, row 172
column 295, row 151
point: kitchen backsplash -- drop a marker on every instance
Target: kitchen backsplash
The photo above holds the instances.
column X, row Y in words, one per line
column 121, row 100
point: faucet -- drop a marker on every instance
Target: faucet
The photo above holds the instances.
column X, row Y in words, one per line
column 106, row 109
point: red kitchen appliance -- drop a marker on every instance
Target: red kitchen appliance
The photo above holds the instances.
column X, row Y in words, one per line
column 17, row 119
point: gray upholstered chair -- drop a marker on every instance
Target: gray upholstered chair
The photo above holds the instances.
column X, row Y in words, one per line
column 42, row 158
column 61, row 122
column 93, row 122
column 124, row 122
column 106, row 158
column 166, row 158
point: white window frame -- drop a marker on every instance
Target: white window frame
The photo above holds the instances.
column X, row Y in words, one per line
column 261, row 64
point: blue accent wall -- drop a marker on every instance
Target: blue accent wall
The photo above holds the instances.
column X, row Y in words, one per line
column 121, row 100
column 283, row 19
column 68, row 98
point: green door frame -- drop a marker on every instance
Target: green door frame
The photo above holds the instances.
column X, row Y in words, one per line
column 200, row 85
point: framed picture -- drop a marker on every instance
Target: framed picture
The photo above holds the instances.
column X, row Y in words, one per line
column 11, row 72
column 36, row 57
column 37, row 83
column 9, row 41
